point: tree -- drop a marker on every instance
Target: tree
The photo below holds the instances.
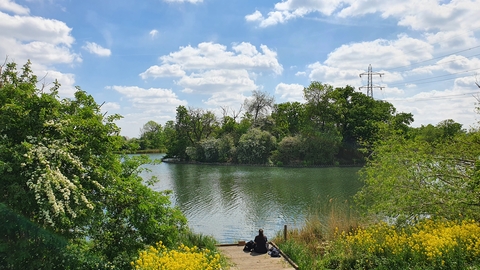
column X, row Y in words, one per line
column 318, row 106
column 259, row 104
column 151, row 136
column 191, row 127
column 417, row 178
column 289, row 118
column 255, row 147
column 59, row 169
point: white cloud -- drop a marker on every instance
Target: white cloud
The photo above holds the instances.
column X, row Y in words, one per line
column 67, row 81
column 211, row 69
column 301, row 73
column 435, row 106
column 163, row 71
column 28, row 28
column 155, row 104
column 8, row 5
column 46, row 42
column 216, row 80
column 43, row 41
column 450, row 40
column 94, row 48
column 165, row 99
column 153, row 33
column 225, row 99
column 381, row 53
column 110, row 106
column 425, row 15
column 256, row 16
column 182, row 1
column 208, row 55
column 290, row 92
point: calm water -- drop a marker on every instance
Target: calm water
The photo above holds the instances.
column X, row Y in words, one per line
column 232, row 202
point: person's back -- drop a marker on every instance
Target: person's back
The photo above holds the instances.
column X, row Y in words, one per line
column 261, row 243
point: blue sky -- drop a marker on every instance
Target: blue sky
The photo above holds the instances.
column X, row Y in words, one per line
column 142, row 59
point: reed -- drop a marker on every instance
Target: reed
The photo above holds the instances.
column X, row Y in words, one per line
column 306, row 245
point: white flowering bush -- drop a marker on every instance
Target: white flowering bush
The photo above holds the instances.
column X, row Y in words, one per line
column 55, row 175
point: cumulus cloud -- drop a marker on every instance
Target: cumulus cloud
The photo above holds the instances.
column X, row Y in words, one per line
column 256, row 16
column 419, row 15
column 384, row 53
column 152, row 97
column 46, row 42
column 94, row 48
column 290, row 92
column 10, row 6
column 212, row 69
column 455, row 103
column 208, row 55
column 163, row 71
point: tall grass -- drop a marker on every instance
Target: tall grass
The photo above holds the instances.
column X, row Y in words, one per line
column 336, row 238
column 308, row 244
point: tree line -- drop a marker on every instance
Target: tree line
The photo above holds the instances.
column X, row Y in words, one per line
column 333, row 126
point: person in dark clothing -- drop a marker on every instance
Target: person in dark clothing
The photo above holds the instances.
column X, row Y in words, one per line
column 261, row 243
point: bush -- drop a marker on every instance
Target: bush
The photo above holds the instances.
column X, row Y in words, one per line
column 255, row 146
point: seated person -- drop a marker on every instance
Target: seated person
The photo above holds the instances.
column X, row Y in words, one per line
column 261, row 243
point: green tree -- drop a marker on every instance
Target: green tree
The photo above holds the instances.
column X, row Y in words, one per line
column 289, row 118
column 414, row 178
column 192, row 126
column 59, row 169
column 151, row 136
column 318, row 107
column 255, row 147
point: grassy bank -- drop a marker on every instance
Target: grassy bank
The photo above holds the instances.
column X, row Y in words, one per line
column 339, row 240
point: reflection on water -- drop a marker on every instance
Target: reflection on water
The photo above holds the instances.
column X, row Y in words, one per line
column 232, row 202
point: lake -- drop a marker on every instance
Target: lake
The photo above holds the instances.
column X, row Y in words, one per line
column 231, row 203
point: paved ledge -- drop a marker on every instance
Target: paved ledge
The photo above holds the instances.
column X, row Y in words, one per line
column 240, row 260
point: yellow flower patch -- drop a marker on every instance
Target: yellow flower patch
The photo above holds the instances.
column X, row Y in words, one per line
column 184, row 258
column 429, row 240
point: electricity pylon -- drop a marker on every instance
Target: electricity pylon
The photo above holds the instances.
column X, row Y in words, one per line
column 370, row 85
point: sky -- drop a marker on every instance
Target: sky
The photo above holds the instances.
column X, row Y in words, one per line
column 143, row 59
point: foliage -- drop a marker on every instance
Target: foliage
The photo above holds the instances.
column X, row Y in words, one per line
column 59, row 169
column 191, row 127
column 135, row 216
column 152, row 136
column 184, row 257
column 24, row 245
column 255, row 146
column 417, row 178
column 334, row 125
column 289, row 118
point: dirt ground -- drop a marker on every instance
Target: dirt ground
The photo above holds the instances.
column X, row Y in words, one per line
column 240, row 259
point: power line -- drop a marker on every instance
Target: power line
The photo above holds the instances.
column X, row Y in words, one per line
column 434, row 58
column 431, row 78
column 433, row 98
